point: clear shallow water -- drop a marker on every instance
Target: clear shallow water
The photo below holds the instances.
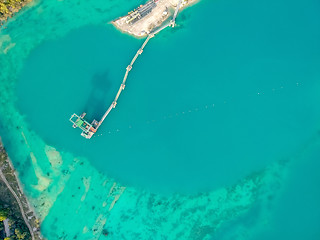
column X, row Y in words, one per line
column 260, row 72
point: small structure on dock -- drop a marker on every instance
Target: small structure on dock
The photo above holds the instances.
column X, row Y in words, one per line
column 141, row 12
column 87, row 129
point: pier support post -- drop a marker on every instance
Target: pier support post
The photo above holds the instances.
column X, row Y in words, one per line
column 129, row 68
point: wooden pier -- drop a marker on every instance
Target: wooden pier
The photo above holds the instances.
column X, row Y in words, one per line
column 89, row 129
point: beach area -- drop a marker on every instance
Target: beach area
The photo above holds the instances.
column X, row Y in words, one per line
column 154, row 14
column 216, row 139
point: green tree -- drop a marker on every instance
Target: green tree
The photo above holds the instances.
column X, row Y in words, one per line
column 8, row 238
column 3, row 214
column 19, row 234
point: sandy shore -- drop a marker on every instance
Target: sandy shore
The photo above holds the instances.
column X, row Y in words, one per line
column 160, row 13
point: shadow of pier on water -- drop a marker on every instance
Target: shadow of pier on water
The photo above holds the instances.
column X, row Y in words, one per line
column 100, row 93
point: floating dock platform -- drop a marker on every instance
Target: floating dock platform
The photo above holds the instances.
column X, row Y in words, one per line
column 87, row 129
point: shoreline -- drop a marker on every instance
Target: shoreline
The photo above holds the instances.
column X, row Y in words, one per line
column 146, row 18
column 10, row 8
column 9, row 176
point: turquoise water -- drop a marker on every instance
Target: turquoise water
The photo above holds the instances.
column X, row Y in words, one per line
column 185, row 105
column 216, row 127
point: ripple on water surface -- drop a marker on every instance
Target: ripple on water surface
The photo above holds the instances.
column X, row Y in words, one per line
column 193, row 116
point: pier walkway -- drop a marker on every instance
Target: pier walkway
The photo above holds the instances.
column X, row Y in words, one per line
column 176, row 11
column 139, row 52
column 123, row 84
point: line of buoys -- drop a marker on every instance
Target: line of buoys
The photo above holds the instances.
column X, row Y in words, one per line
column 197, row 109
column 166, row 117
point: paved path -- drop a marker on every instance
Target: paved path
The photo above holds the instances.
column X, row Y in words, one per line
column 6, row 227
column 19, row 202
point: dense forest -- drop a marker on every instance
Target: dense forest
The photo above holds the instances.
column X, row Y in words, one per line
column 16, row 226
column 12, row 225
